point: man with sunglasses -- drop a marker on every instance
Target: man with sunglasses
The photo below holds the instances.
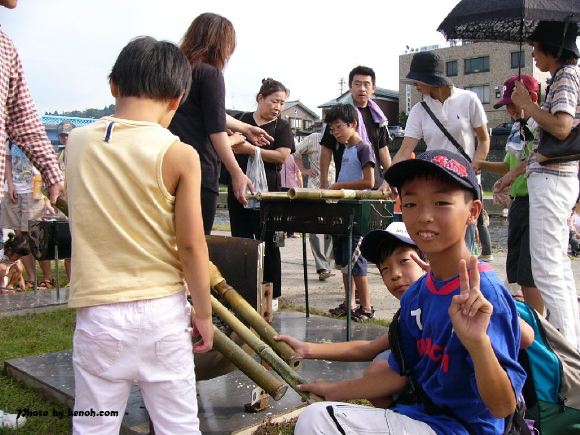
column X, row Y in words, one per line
column 520, row 142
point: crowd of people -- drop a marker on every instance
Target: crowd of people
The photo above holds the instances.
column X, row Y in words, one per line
column 160, row 155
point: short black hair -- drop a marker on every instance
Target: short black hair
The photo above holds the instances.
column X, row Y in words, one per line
column 388, row 247
column 16, row 244
column 565, row 57
column 341, row 112
column 148, row 68
column 432, row 173
column 361, row 71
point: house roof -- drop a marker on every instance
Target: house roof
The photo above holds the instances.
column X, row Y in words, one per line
column 380, row 94
column 290, row 104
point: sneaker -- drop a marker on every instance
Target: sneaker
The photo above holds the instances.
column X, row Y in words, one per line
column 11, row 421
column 486, row 258
column 361, row 315
column 341, row 310
column 325, row 274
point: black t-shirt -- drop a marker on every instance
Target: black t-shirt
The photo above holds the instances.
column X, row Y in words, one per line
column 203, row 113
column 282, row 133
column 378, row 137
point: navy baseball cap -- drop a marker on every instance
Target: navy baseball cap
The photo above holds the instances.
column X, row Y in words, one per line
column 371, row 244
column 454, row 165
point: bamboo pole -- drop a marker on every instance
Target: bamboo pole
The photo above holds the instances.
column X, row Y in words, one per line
column 264, row 351
column 256, row 372
column 269, row 196
column 317, row 194
column 251, row 316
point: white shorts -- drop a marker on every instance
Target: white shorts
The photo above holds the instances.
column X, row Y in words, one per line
column 347, row 419
column 145, row 342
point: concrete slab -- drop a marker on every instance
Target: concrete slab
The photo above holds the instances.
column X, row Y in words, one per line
column 221, row 400
column 33, row 302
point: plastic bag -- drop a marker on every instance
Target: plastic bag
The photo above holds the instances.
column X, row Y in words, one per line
column 257, row 175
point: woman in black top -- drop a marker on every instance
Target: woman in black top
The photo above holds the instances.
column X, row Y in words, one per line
column 201, row 120
column 245, row 222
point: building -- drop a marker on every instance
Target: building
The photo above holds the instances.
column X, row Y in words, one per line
column 481, row 67
column 300, row 118
column 386, row 99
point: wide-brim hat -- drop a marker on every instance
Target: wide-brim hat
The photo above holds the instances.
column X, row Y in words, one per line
column 453, row 165
column 552, row 33
column 427, row 68
column 372, row 243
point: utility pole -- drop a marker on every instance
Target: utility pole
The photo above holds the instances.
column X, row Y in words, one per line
column 341, row 82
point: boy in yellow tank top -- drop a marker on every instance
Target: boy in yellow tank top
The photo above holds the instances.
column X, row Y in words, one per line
column 138, row 249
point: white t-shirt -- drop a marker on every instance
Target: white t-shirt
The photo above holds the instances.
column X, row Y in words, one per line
column 460, row 114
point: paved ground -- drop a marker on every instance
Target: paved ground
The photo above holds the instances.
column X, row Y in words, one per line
column 328, row 294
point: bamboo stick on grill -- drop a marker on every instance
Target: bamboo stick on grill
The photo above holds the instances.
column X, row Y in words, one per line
column 256, row 372
column 315, row 194
column 251, row 316
column 264, row 351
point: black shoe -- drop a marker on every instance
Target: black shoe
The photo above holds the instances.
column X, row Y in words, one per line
column 362, row 315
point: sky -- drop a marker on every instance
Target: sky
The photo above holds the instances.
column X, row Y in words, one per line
column 68, row 47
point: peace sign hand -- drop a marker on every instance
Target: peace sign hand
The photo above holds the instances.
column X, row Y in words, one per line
column 470, row 311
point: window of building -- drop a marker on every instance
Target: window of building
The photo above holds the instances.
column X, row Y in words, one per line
column 518, row 59
column 451, row 68
column 295, row 123
column 477, row 65
column 307, row 124
column 481, row 91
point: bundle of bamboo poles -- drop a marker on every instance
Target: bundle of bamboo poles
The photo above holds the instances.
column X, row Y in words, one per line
column 319, row 194
column 279, row 355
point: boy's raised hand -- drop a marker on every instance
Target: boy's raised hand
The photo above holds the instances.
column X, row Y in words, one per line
column 299, row 347
column 470, row 311
column 422, row 264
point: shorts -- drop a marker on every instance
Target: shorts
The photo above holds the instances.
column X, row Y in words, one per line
column 15, row 215
column 342, row 254
column 519, row 264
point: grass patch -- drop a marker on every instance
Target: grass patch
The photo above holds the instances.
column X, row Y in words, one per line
column 222, row 227
column 34, row 334
column 285, row 305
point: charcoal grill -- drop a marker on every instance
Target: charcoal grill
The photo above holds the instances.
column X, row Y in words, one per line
column 343, row 217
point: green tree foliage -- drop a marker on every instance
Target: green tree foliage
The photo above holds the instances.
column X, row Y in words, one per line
column 403, row 119
column 87, row 113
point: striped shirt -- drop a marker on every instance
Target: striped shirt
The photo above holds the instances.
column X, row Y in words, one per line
column 19, row 119
column 564, row 96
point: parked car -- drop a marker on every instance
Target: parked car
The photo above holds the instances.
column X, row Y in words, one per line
column 502, row 129
column 396, row 131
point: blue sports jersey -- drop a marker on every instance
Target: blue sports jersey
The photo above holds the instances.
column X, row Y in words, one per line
column 439, row 362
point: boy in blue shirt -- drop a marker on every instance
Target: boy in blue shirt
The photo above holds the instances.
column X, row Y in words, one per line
column 459, row 334
column 357, row 172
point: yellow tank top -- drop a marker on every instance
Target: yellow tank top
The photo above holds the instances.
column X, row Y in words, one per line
column 121, row 215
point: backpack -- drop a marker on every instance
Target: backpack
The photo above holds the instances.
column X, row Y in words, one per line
column 552, row 388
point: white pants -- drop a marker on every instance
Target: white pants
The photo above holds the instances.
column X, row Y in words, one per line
column 551, row 200
column 146, row 342
column 343, row 418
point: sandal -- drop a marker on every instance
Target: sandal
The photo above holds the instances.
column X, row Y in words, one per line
column 339, row 311
column 46, row 284
column 7, row 291
column 28, row 285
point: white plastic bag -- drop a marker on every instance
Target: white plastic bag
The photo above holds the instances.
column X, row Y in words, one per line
column 257, row 175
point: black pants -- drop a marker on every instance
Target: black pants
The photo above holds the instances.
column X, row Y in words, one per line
column 484, row 237
column 246, row 223
column 208, row 207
